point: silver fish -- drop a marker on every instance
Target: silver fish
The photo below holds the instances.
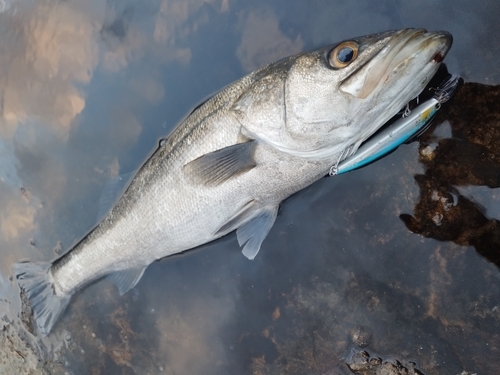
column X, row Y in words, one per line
column 231, row 162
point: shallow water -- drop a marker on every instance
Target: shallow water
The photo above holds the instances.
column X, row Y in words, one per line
column 399, row 259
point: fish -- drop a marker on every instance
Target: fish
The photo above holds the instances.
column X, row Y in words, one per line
column 410, row 125
column 231, row 162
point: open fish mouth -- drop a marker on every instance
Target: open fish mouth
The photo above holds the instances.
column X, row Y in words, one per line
column 428, row 92
column 410, row 64
column 440, row 88
column 411, row 122
column 397, row 73
column 445, row 39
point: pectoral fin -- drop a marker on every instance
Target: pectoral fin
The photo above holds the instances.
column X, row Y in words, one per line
column 126, row 279
column 219, row 166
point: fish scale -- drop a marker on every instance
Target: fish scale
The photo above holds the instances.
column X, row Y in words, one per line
column 237, row 156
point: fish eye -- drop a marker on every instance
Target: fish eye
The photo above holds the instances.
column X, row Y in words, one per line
column 344, row 54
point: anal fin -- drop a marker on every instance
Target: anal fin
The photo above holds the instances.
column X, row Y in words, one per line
column 126, row 279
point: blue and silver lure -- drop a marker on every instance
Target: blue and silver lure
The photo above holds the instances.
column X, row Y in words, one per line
column 388, row 139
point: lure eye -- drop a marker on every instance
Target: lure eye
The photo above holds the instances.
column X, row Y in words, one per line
column 344, row 54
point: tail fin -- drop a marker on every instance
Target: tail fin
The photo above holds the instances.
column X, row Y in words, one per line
column 35, row 280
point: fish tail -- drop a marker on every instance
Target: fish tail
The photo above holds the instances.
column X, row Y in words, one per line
column 36, row 282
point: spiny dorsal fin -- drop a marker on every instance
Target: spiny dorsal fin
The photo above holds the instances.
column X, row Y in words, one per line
column 216, row 167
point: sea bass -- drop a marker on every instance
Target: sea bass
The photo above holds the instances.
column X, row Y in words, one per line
column 231, row 162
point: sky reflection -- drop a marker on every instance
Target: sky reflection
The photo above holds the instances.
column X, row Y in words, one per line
column 86, row 91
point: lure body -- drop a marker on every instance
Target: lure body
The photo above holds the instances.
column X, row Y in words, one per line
column 400, row 131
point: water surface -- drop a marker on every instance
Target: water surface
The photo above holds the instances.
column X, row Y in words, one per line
column 396, row 259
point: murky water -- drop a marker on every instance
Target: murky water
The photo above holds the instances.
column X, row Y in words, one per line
column 399, row 259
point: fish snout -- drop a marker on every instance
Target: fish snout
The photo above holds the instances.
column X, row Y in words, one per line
column 446, row 41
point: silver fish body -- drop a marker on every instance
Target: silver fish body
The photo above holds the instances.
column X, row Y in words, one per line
column 231, row 162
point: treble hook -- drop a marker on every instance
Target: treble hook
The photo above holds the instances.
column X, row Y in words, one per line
column 407, row 111
column 443, row 93
column 334, row 168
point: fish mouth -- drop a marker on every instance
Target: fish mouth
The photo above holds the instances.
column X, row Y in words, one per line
column 395, row 57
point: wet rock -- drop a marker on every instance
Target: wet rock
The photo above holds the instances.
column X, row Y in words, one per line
column 361, row 363
column 21, row 355
column 470, row 158
column 361, row 336
column 26, row 314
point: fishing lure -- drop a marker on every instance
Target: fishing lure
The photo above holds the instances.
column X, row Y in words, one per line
column 411, row 124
